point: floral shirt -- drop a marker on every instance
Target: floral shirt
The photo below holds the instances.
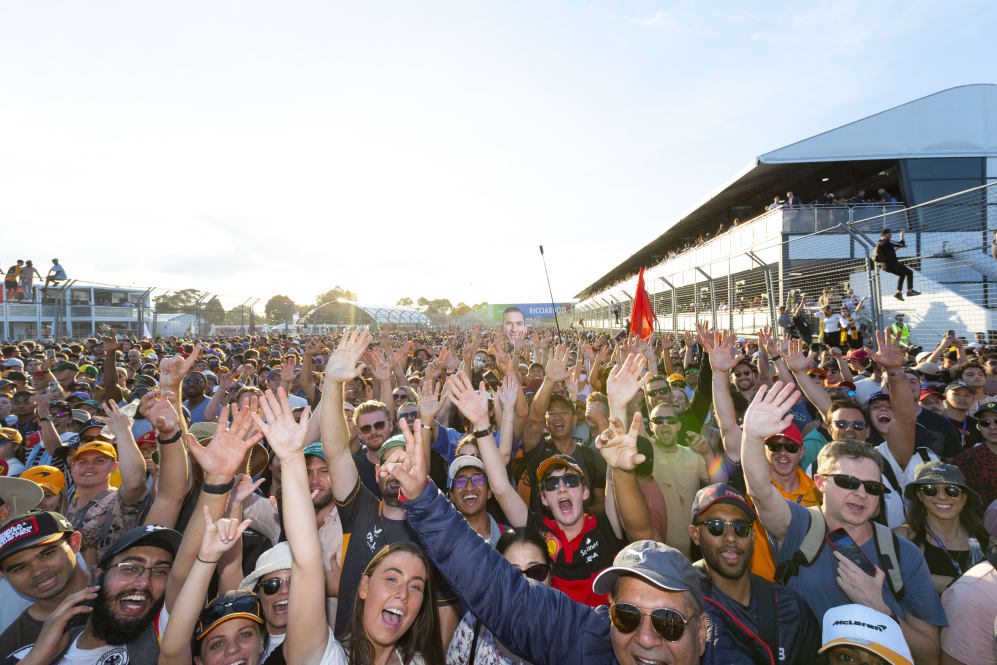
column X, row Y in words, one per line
column 105, row 518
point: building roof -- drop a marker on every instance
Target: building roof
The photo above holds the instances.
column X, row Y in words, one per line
column 392, row 314
column 957, row 122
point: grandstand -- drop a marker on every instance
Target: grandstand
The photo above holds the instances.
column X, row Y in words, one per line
column 736, row 256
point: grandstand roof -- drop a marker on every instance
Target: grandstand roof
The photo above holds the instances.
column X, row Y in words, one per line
column 957, row 122
column 390, row 314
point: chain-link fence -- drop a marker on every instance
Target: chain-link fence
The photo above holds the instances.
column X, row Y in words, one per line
column 804, row 258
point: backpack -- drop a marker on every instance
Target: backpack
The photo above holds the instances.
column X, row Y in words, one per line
column 887, row 546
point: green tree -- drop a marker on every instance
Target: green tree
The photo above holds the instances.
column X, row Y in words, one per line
column 404, row 302
column 460, row 309
column 334, row 295
column 278, row 309
column 213, row 312
column 178, row 301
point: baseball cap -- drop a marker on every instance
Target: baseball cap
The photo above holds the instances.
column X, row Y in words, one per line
column 955, row 385
column 151, row 535
column 226, row 606
column 929, row 368
column 397, row 441
column 147, row 439
column 875, row 397
column 934, row 393
column 558, row 460
column 464, row 462
column 47, row 477
column 676, row 377
column 720, row 493
column 11, row 434
column 663, row 566
column 865, row 628
column 792, row 433
column 96, row 446
column 14, row 362
column 990, row 406
column 315, row 450
column 203, row 430
column 64, row 365
column 38, row 527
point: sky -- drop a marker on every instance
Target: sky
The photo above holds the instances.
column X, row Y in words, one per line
column 420, row 149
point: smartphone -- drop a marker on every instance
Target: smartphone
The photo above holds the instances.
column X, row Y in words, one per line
column 50, row 353
column 842, row 542
column 98, row 582
column 492, row 380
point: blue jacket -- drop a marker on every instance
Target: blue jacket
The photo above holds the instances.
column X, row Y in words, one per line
column 536, row 622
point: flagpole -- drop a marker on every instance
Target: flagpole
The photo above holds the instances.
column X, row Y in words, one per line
column 551, row 291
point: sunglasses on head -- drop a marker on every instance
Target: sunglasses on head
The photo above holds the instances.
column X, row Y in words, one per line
column 379, row 425
column 216, row 611
column 857, row 425
column 538, row 572
column 846, row 482
column 661, row 420
column 790, row 447
column 718, row 527
column 476, row 479
column 953, row 491
column 667, row 623
column 551, row 483
column 271, row 586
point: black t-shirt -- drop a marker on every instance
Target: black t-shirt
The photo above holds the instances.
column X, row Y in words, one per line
column 577, row 562
column 935, row 431
column 438, row 470
column 365, row 531
column 588, row 458
column 26, row 630
column 968, row 433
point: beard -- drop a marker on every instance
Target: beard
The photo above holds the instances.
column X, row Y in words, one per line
column 322, row 500
column 113, row 630
column 389, row 493
column 721, row 568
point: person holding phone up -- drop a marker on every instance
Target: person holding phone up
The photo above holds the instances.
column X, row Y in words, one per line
column 849, row 475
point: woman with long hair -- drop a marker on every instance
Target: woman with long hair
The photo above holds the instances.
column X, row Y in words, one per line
column 472, row 641
column 943, row 520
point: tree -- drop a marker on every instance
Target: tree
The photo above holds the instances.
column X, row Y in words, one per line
column 213, row 312
column 278, row 309
column 334, row 295
column 460, row 309
column 404, row 302
column 178, row 301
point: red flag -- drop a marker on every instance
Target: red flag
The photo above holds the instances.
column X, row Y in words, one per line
column 642, row 318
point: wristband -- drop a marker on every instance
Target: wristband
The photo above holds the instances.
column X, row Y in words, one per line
column 43, row 418
column 172, row 439
column 481, row 433
column 207, row 562
column 425, row 426
column 402, row 498
column 224, row 488
column 776, row 357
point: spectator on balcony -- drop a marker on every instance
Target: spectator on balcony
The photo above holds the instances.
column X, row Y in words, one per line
column 824, row 199
column 885, row 255
column 859, row 197
column 775, row 203
column 56, row 274
column 10, row 280
column 792, row 200
column 885, row 197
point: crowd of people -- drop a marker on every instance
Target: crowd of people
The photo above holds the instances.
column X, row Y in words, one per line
column 500, row 496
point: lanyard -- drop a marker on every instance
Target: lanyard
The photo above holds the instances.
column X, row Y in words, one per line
column 962, row 433
column 938, row 540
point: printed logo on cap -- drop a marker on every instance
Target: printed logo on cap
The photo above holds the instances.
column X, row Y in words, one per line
column 18, row 530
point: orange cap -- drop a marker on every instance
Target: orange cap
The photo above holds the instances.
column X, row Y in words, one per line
column 96, row 446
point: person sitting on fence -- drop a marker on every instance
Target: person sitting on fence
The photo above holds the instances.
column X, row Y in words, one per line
column 56, row 274
column 885, row 255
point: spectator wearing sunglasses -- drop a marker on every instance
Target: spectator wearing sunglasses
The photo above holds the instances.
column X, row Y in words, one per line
column 271, row 582
column 979, row 463
column 943, row 519
column 763, row 622
column 374, row 426
column 470, row 493
column 473, row 642
column 849, row 476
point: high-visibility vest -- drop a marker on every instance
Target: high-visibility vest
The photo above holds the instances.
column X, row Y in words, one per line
column 904, row 333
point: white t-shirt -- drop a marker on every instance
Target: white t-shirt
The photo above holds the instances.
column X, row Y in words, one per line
column 106, row 655
column 335, row 655
column 895, row 502
column 275, row 642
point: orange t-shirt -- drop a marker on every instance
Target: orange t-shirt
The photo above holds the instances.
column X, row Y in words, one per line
column 763, row 560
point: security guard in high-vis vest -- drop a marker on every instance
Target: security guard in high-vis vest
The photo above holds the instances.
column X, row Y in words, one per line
column 903, row 328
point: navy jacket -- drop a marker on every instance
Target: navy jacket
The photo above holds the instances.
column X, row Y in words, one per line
column 536, row 622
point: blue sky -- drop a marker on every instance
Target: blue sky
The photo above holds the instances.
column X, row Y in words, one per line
column 420, row 148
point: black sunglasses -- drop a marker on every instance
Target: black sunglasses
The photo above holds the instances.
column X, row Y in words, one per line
column 550, row 483
column 790, row 447
column 846, row 482
column 953, row 491
column 379, row 425
column 661, row 420
column 718, row 527
column 857, row 425
column 538, row 572
column 272, row 585
column 667, row 623
column 411, row 415
column 659, row 391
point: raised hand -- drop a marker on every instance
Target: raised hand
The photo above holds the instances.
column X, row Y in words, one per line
column 719, row 344
column 430, row 402
column 574, row 377
column 626, row 379
column 508, row 392
column 557, row 366
column 111, row 344
column 114, row 418
column 697, row 443
column 173, row 369
column 764, row 336
column 285, row 436
column 343, row 363
column 795, row 358
column 619, row 446
column 768, row 414
column 410, row 472
column 890, row 354
column 518, row 339
column 220, row 536
column 314, row 347
column 287, row 366
column 474, row 405
column 159, row 410
column 378, row 364
column 224, row 455
column 244, row 488
column 41, row 402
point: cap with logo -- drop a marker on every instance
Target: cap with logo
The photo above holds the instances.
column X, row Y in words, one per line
column 102, row 447
column 314, row 450
column 151, row 535
column 792, row 433
column 939, row 473
column 11, row 435
column 656, row 563
column 989, row 405
column 38, row 527
column 227, row 606
column 465, row 462
column 720, row 493
column 559, row 461
column 956, row 385
column 47, row 477
column 865, row 628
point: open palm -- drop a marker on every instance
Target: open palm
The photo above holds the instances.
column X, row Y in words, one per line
column 285, row 435
column 225, row 453
column 343, row 363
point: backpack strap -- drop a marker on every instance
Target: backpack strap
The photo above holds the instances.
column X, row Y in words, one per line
column 813, row 542
column 891, row 477
column 768, row 628
column 887, row 547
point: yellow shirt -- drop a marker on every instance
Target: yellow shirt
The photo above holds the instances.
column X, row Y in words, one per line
column 763, row 561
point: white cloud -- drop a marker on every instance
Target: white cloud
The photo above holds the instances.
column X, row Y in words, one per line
column 659, row 17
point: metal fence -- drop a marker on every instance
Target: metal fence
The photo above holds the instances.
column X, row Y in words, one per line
column 739, row 279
